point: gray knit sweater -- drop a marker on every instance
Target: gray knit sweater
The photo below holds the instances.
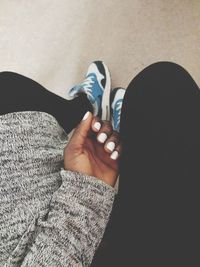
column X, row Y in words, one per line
column 48, row 216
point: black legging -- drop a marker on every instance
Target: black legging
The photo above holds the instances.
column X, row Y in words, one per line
column 155, row 220
column 19, row 93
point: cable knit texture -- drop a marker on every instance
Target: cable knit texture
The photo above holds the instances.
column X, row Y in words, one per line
column 48, row 216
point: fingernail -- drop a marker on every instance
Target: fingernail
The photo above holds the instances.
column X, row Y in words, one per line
column 97, row 126
column 86, row 116
column 114, row 155
column 102, row 138
column 110, row 146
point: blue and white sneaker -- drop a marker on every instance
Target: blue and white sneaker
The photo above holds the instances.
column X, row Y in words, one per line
column 117, row 97
column 97, row 87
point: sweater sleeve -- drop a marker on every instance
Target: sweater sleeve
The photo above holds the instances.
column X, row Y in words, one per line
column 73, row 229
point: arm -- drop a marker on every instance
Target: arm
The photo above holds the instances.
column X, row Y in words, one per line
column 80, row 209
column 78, row 215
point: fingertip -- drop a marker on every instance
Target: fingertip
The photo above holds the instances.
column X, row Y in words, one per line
column 117, row 152
column 96, row 124
column 114, row 155
column 87, row 115
column 110, row 146
column 102, row 137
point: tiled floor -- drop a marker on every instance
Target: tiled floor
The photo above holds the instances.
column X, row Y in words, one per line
column 53, row 41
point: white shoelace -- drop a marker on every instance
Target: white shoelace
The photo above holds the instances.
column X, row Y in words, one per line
column 119, row 108
column 87, row 85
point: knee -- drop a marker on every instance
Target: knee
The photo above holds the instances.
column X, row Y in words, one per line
column 10, row 79
column 164, row 71
column 165, row 68
column 165, row 65
column 162, row 78
column 8, row 75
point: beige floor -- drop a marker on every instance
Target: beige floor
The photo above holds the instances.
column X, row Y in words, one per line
column 52, row 41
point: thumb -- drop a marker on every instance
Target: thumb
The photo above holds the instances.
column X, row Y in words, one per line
column 82, row 131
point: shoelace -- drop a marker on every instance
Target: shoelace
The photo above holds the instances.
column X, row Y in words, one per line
column 87, row 85
column 119, row 109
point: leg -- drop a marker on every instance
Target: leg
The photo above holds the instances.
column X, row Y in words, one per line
column 23, row 94
column 159, row 172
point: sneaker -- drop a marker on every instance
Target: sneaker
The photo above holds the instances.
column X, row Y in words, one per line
column 117, row 96
column 96, row 86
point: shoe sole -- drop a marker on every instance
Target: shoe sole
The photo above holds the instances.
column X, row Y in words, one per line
column 105, row 105
column 112, row 97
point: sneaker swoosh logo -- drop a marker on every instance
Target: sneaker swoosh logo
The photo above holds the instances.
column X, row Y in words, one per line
column 99, row 79
column 99, row 76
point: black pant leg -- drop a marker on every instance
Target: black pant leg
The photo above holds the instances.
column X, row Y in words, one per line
column 157, row 107
column 156, row 219
column 19, row 93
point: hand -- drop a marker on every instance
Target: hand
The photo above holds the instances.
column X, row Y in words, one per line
column 90, row 150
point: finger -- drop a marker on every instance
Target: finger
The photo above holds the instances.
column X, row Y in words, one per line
column 104, row 132
column 83, row 129
column 112, row 142
column 116, row 153
column 96, row 124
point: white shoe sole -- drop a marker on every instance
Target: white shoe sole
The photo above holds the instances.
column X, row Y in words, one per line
column 105, row 105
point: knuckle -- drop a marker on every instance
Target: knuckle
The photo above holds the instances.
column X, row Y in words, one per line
column 113, row 139
column 119, row 148
column 116, row 135
column 96, row 119
column 107, row 123
column 106, row 127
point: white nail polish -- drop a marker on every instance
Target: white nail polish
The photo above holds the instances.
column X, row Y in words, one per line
column 86, row 116
column 110, row 146
column 97, row 126
column 102, row 137
column 114, row 155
